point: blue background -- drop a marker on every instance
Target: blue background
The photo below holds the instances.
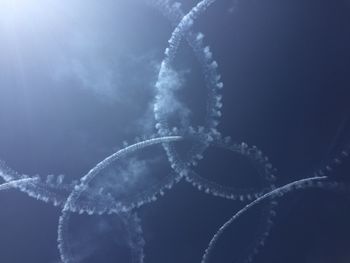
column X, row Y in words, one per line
column 77, row 79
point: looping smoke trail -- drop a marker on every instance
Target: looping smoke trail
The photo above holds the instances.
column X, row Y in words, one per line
column 83, row 186
column 313, row 182
column 214, row 104
column 16, row 183
column 212, row 79
column 78, row 197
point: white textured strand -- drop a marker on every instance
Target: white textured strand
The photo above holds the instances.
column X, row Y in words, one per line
column 16, row 183
column 313, row 182
column 79, row 189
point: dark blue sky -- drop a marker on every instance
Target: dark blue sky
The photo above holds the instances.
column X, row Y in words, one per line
column 76, row 80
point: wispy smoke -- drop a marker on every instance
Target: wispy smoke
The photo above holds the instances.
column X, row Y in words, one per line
column 167, row 102
column 94, row 75
column 233, row 6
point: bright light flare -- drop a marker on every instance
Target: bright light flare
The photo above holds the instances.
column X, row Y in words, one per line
column 24, row 12
column 16, row 9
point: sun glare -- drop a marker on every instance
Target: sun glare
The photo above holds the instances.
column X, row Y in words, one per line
column 22, row 11
column 16, row 7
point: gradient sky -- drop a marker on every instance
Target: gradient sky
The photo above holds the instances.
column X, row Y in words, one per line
column 77, row 79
